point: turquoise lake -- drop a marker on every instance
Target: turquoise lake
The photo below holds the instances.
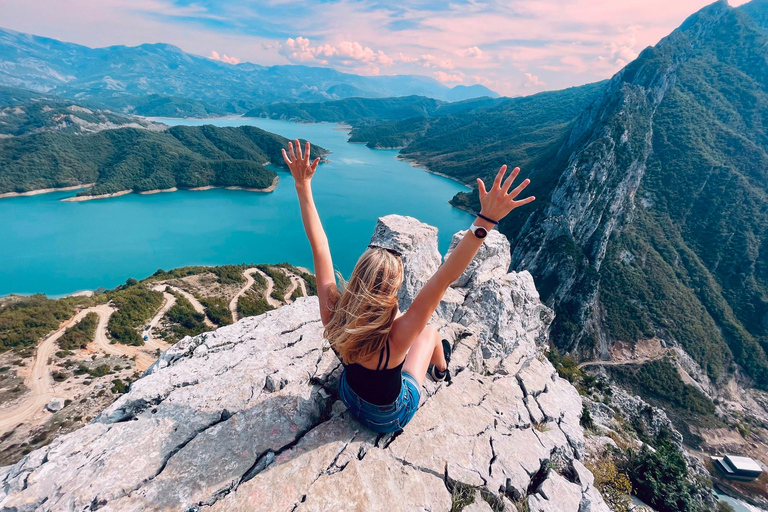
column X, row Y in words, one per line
column 54, row 247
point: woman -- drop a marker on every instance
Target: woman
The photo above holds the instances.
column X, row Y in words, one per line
column 386, row 355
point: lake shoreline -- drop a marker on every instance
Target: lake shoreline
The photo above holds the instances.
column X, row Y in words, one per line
column 413, row 163
column 80, row 199
column 45, row 190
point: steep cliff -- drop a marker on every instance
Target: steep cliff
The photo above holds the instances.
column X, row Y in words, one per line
column 651, row 214
column 247, row 418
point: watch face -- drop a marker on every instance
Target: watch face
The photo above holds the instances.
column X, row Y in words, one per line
column 481, row 232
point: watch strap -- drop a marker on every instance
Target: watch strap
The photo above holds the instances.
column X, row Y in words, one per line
column 474, row 227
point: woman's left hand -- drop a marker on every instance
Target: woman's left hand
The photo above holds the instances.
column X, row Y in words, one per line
column 301, row 168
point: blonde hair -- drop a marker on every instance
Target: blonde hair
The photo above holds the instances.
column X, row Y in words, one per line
column 366, row 306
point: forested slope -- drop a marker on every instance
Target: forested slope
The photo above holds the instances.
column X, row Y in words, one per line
column 140, row 160
column 652, row 192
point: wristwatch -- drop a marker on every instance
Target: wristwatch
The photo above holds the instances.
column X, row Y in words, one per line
column 478, row 231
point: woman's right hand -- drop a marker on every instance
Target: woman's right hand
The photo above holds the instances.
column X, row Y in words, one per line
column 497, row 203
column 301, row 168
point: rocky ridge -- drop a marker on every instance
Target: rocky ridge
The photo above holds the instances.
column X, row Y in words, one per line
column 247, row 418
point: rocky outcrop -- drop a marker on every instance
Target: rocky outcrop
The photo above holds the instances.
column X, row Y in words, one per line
column 247, row 417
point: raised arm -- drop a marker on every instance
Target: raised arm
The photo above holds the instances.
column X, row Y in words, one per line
column 496, row 204
column 302, row 171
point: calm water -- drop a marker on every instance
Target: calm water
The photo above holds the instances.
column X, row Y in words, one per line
column 738, row 505
column 57, row 248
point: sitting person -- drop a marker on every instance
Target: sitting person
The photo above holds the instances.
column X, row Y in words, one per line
column 386, row 354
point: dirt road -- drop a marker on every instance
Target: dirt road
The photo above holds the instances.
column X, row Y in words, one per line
column 195, row 304
column 296, row 282
column 152, row 341
column 39, row 380
column 248, row 275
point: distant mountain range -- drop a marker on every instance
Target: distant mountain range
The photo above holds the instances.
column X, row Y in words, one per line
column 162, row 80
column 651, row 217
column 24, row 112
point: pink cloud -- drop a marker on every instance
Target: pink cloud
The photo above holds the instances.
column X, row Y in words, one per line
column 442, row 76
column 472, row 51
column 345, row 53
column 533, row 80
column 223, row 58
column 559, row 42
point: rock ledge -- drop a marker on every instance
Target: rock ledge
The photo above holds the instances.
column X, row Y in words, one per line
column 246, row 417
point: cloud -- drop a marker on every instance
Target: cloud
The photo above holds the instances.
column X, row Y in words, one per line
column 496, row 43
column 345, row 53
column 472, row 51
column 442, row 76
column 223, row 58
column 533, row 81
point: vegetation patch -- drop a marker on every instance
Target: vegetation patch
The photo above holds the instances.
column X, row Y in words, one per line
column 184, row 320
column 79, row 335
column 251, row 304
column 282, row 281
column 660, row 477
column 225, row 274
column 136, row 305
column 217, row 309
column 25, row 320
column 660, row 379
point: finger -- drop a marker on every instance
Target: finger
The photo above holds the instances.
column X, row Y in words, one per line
column 499, row 175
column 298, row 150
column 285, row 157
column 290, row 151
column 523, row 201
column 481, row 188
column 314, row 164
column 510, row 179
column 306, row 152
column 519, row 188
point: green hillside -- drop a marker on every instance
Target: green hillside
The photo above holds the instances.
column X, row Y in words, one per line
column 652, row 210
column 139, row 160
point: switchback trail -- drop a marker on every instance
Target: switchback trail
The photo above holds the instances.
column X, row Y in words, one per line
column 152, row 341
column 39, row 381
column 195, row 304
column 248, row 275
column 296, row 282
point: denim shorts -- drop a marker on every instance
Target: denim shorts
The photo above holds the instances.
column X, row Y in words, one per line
column 383, row 418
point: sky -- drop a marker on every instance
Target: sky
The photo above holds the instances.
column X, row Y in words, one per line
column 515, row 47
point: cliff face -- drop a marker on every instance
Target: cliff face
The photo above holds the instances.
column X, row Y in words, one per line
column 247, row 417
column 655, row 225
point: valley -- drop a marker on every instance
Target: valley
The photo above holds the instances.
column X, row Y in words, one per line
column 48, row 390
column 648, row 239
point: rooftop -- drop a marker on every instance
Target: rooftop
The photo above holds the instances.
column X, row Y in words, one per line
column 743, row 463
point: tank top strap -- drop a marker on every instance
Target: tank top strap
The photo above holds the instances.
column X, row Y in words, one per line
column 381, row 358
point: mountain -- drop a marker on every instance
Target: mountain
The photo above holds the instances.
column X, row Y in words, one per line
column 24, row 112
column 364, row 111
column 131, row 159
column 651, row 219
column 161, row 79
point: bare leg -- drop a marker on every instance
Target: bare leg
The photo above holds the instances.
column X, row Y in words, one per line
column 425, row 350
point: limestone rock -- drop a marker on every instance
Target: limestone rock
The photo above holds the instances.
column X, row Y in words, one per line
column 478, row 506
column 55, row 405
column 417, row 242
column 556, row 494
column 493, row 259
column 247, row 418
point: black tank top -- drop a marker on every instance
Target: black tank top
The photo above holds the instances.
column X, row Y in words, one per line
column 380, row 386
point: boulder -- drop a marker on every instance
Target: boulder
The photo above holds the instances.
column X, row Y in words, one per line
column 247, row 417
column 55, row 405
